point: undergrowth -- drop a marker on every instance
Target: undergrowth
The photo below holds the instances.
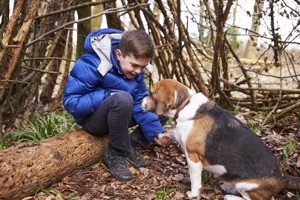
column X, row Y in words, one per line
column 41, row 127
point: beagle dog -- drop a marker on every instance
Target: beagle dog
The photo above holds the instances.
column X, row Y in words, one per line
column 216, row 141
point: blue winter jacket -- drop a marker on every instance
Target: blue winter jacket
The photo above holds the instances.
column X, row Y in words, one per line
column 96, row 74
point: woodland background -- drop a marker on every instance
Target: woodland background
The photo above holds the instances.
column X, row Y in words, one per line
column 252, row 71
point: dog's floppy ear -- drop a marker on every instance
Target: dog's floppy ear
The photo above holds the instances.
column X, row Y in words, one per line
column 162, row 93
column 154, row 89
column 161, row 108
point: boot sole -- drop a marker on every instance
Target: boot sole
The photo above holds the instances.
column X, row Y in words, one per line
column 137, row 166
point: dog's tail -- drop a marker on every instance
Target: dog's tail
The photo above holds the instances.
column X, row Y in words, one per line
column 292, row 183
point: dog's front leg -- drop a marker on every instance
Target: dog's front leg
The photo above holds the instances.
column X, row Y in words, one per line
column 195, row 176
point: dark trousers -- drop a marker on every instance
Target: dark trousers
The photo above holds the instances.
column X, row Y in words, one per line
column 114, row 117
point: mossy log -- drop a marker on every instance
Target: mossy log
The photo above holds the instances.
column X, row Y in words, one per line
column 24, row 168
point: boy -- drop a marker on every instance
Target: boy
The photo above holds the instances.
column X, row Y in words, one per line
column 104, row 91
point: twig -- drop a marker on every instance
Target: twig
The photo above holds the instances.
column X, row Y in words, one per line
column 277, row 60
column 76, row 7
column 111, row 10
column 48, row 58
column 270, row 113
column 283, row 112
column 263, row 36
column 13, row 81
column 275, row 90
column 273, row 76
column 39, row 70
column 252, row 94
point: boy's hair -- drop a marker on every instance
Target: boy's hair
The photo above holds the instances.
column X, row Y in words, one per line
column 138, row 43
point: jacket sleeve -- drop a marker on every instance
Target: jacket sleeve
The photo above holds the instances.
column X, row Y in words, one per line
column 148, row 121
column 83, row 93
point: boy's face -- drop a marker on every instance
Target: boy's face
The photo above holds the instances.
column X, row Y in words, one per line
column 130, row 65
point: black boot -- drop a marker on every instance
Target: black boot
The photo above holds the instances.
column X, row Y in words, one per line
column 136, row 159
column 117, row 165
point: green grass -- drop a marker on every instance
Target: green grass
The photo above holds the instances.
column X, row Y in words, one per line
column 287, row 149
column 163, row 192
column 207, row 177
column 54, row 194
column 41, row 127
column 5, row 142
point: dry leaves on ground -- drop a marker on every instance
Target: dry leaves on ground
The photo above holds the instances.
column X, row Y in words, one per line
column 167, row 177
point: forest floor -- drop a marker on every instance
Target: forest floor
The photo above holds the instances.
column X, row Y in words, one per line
column 168, row 177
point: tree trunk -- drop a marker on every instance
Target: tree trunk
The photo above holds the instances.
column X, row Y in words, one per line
column 96, row 22
column 5, row 41
column 20, row 39
column 83, row 29
column 112, row 19
column 64, row 79
column 250, row 51
column 26, row 167
column 51, row 78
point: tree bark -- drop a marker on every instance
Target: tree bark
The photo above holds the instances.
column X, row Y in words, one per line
column 5, row 41
column 96, row 22
column 83, row 29
column 26, row 167
column 250, row 51
column 112, row 19
column 19, row 40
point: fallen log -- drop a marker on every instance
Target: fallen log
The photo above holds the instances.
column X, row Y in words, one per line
column 24, row 168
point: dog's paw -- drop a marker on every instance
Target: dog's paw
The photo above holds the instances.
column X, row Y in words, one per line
column 162, row 140
column 192, row 195
column 161, row 135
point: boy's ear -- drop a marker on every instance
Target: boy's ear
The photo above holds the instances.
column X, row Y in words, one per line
column 118, row 53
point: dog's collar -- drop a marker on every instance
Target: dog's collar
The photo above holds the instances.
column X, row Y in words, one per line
column 182, row 105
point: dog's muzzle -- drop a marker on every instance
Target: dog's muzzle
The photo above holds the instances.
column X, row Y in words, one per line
column 148, row 104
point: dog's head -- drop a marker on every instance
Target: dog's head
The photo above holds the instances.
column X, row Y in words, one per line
column 165, row 97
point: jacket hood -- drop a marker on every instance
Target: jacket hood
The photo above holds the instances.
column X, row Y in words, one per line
column 99, row 34
column 100, row 42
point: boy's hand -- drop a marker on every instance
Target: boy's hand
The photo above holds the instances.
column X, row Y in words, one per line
column 163, row 141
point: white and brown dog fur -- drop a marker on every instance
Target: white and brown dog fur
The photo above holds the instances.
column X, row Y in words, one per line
column 216, row 141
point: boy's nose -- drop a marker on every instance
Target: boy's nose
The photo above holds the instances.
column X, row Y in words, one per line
column 138, row 70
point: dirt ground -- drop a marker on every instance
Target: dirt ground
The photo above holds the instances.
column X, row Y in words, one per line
column 167, row 177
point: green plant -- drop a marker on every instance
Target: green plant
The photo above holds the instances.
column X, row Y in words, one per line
column 207, row 177
column 170, row 120
column 163, row 192
column 4, row 142
column 257, row 128
column 54, row 193
column 42, row 127
column 287, row 149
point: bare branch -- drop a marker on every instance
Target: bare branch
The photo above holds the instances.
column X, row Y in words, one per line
column 74, row 8
column 111, row 10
